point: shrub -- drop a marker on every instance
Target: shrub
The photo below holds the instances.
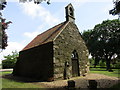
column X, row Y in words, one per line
column 102, row 63
column 10, row 60
column 8, row 63
column 91, row 62
column 117, row 65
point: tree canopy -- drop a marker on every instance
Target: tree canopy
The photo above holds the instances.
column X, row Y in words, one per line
column 36, row 1
column 10, row 60
column 104, row 40
column 116, row 8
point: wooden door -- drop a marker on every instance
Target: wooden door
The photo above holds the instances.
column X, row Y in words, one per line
column 75, row 64
column 75, row 68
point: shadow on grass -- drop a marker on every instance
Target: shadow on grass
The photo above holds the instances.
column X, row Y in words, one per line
column 97, row 70
column 82, row 83
column 20, row 79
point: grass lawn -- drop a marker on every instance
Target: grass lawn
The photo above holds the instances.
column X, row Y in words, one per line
column 7, row 83
column 6, row 72
column 115, row 73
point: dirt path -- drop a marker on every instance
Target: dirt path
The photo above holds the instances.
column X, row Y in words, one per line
column 2, row 70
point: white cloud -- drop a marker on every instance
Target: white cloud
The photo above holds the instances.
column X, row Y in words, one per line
column 31, row 35
column 12, row 46
column 38, row 11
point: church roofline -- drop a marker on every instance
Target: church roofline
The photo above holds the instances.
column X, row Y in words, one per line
column 47, row 36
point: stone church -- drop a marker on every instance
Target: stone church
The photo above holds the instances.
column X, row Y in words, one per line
column 58, row 53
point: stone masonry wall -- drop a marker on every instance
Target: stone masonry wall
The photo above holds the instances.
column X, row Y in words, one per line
column 68, row 41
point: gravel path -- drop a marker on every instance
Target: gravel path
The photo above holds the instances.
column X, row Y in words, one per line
column 2, row 70
column 82, row 82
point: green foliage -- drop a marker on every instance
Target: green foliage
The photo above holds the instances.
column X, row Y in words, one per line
column 102, row 63
column 91, row 62
column 116, row 9
column 117, row 65
column 103, row 41
column 10, row 60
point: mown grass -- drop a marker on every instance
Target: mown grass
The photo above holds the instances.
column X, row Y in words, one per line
column 6, row 72
column 8, row 83
column 115, row 73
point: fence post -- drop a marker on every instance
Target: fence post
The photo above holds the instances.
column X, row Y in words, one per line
column 71, row 84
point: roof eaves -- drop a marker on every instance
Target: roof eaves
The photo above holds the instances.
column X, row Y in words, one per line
column 36, row 46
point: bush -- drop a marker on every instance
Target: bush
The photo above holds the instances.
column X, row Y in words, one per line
column 8, row 63
column 117, row 65
column 10, row 60
column 91, row 62
column 102, row 63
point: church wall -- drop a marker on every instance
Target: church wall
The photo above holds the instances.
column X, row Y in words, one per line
column 36, row 62
column 68, row 41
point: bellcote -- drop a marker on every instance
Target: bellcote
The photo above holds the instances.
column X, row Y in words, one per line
column 70, row 13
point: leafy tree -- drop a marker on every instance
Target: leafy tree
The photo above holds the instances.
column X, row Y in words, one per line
column 10, row 60
column 3, row 4
column 116, row 8
column 36, row 1
column 103, row 41
column 3, row 35
column 3, row 26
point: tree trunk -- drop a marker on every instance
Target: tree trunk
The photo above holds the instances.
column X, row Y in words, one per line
column 108, row 67
column 96, row 62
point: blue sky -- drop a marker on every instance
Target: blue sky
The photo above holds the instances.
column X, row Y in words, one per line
column 30, row 20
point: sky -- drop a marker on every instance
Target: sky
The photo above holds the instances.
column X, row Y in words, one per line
column 30, row 19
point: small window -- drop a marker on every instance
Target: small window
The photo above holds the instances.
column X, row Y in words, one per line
column 71, row 11
column 74, row 55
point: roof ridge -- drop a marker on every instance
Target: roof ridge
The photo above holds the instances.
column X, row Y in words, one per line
column 50, row 28
column 46, row 36
column 61, row 25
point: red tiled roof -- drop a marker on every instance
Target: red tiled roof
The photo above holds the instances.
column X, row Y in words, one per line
column 46, row 36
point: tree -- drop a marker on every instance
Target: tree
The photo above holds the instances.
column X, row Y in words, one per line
column 3, row 26
column 3, row 35
column 36, row 1
column 10, row 60
column 104, row 40
column 116, row 9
